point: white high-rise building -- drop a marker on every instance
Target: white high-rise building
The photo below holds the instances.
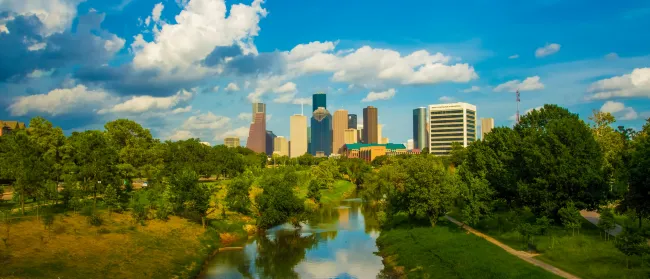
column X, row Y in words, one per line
column 449, row 123
column 409, row 144
column 298, row 135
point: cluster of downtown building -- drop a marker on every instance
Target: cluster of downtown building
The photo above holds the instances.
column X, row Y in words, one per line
column 340, row 134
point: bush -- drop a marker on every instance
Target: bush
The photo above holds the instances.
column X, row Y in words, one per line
column 103, row 231
column 139, row 212
column 95, row 220
column 48, row 220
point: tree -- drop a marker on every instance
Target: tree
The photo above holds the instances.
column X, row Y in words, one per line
column 425, row 151
column 110, row 197
column 237, row 197
column 606, row 222
column 313, row 191
column 380, row 161
column 612, row 145
column 325, row 172
column 305, row 159
column 570, row 217
column 630, row 243
column 23, row 161
column 278, row 203
column 638, row 195
column 539, row 118
column 457, row 154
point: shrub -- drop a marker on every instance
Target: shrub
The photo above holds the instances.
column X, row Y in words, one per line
column 48, row 220
column 95, row 220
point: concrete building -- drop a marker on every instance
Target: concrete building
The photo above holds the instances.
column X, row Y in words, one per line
column 370, row 125
column 298, row 135
column 449, row 123
column 384, row 140
column 352, row 121
column 369, row 152
column 309, row 140
column 487, row 124
column 6, row 127
column 231, row 141
column 379, row 130
column 420, row 138
column 270, row 143
column 359, row 133
column 206, row 143
column 351, row 136
column 321, row 132
column 339, row 125
column 410, row 144
column 257, row 133
column 280, row 146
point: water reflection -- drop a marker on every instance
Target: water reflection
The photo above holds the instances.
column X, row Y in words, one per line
column 337, row 242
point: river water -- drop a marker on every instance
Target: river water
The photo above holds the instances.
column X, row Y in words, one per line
column 336, row 242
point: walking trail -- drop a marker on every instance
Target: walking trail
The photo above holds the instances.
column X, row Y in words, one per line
column 520, row 254
column 593, row 217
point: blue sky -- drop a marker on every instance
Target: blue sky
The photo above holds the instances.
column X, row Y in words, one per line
column 191, row 68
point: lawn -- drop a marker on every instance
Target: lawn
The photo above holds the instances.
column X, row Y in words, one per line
column 586, row 255
column 446, row 251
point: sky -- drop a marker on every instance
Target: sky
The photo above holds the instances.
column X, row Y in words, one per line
column 191, row 68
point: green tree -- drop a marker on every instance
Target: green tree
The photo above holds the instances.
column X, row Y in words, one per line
column 606, row 222
column 110, row 197
column 612, row 145
column 638, row 195
column 23, row 161
column 539, row 118
column 325, row 172
column 457, row 154
column 278, row 202
column 237, row 197
column 313, row 191
column 380, row 161
column 570, row 217
column 630, row 243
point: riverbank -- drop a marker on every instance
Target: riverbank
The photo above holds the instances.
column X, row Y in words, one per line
column 446, row 251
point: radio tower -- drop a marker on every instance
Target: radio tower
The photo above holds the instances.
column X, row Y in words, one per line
column 517, row 117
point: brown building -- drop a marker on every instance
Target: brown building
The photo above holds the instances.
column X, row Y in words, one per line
column 369, row 152
column 257, row 133
column 6, row 127
column 231, row 142
column 370, row 133
column 339, row 125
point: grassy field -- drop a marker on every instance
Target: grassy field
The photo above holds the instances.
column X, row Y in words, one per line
column 71, row 248
column 446, row 251
column 586, row 255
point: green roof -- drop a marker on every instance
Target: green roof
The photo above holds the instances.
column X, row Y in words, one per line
column 391, row 146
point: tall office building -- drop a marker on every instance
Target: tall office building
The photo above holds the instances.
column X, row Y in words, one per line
column 360, row 133
column 379, row 136
column 309, row 140
column 298, row 135
column 339, row 125
column 351, row 136
column 451, row 123
column 420, row 128
column 318, row 100
column 370, row 125
column 257, row 132
column 231, row 141
column 384, row 140
column 280, row 146
column 270, row 143
column 321, row 132
column 352, row 121
column 487, row 124
column 409, row 144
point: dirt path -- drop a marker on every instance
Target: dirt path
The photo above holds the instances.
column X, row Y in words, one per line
column 520, row 254
column 593, row 217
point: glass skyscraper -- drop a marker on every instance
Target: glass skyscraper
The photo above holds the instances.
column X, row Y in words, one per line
column 420, row 128
column 321, row 132
column 319, row 100
column 352, row 121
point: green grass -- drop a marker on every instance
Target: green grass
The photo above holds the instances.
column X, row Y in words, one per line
column 446, row 251
column 342, row 189
column 586, row 255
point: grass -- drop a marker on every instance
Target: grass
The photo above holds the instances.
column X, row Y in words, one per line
column 586, row 255
column 341, row 190
column 446, row 251
column 72, row 248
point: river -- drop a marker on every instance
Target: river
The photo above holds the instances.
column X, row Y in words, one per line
column 336, row 242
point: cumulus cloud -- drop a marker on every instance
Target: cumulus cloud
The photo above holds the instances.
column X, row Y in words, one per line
column 514, row 56
column 514, row 116
column 285, row 98
column 635, row 84
column 302, row 101
column 471, row 89
column 245, row 116
column 215, row 89
column 56, row 15
column 446, row 99
column 611, row 56
column 157, row 11
column 547, row 50
column 201, row 26
column 207, row 121
column 288, row 87
column 142, row 104
column 241, row 132
column 232, row 87
column 529, row 84
column 181, row 135
column 384, row 95
column 59, row 101
column 619, row 110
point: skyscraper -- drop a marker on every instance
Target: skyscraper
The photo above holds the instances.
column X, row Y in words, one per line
column 370, row 125
column 270, row 143
column 379, row 136
column 298, row 135
column 231, row 141
column 409, row 144
column 351, row 136
column 257, row 133
column 280, row 146
column 319, row 100
column 451, row 123
column 309, row 140
column 321, row 132
column 487, row 124
column 420, row 128
column 352, row 121
column 339, row 125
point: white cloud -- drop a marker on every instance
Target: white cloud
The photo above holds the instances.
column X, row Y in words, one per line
column 60, row 101
column 446, row 99
column 182, row 110
column 514, row 56
column 39, row 73
column 472, row 89
column 245, row 116
column 288, row 87
column 302, row 101
column 142, row 104
column 207, row 121
column 3, row 29
column 246, row 83
column 232, row 87
column 241, row 132
column 147, row 21
column 547, row 50
column 384, row 95
column 201, row 26
column 619, row 110
column 514, row 116
column 114, row 44
column 157, row 11
column 285, row 98
column 37, row 46
column 529, row 84
column 215, row 89
column 635, row 84
column 611, row 56
column 56, row 15
column 181, row 135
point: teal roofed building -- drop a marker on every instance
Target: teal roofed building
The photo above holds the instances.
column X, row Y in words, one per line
column 369, row 151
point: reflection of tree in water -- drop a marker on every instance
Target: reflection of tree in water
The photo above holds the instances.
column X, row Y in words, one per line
column 370, row 215
column 277, row 258
column 237, row 259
